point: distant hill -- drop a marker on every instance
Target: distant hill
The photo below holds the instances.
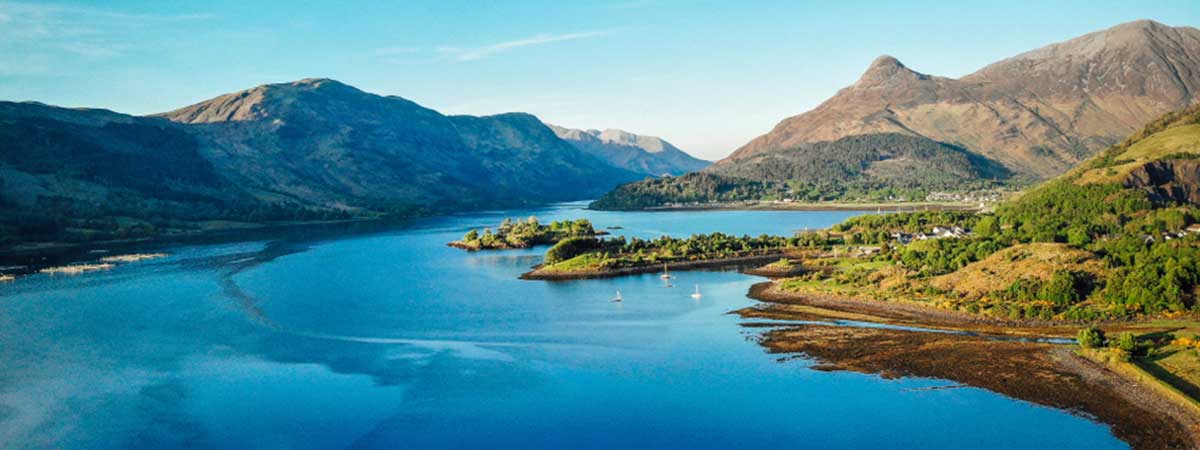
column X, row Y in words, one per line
column 648, row 155
column 311, row 149
column 1036, row 114
column 879, row 167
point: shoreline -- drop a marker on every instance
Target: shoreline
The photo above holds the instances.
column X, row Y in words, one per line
column 869, row 207
column 1137, row 412
column 735, row 262
column 903, row 313
column 29, row 258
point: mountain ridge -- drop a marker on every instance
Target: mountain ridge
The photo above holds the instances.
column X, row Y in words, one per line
column 649, row 155
column 312, row 149
column 1016, row 110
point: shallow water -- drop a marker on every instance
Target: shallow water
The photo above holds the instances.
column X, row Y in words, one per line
column 393, row 340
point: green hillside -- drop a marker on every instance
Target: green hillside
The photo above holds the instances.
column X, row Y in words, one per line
column 1115, row 238
column 314, row 149
column 874, row 167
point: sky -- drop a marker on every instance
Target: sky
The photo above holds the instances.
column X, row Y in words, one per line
column 707, row 76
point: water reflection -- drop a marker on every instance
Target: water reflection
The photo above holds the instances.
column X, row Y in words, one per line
column 390, row 339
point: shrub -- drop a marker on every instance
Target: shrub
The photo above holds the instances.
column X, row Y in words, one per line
column 1091, row 337
column 1060, row 290
column 1126, row 342
column 570, row 248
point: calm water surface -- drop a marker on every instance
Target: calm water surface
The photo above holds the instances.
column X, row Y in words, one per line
column 393, row 340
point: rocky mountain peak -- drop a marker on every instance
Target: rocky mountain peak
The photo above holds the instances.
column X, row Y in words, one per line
column 310, row 97
column 886, row 70
column 323, row 85
column 1134, row 58
column 652, row 144
column 886, row 62
column 1037, row 112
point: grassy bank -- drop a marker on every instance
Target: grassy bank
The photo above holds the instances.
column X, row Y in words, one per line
column 1138, row 371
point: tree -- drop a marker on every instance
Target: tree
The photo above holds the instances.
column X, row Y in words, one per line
column 570, row 247
column 987, row 226
column 1091, row 337
column 471, row 236
column 1126, row 342
column 1060, row 290
column 1079, row 237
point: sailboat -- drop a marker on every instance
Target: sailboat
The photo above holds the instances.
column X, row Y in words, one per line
column 696, row 295
column 665, row 275
column 618, row 297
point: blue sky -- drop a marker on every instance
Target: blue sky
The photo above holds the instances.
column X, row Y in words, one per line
column 707, row 76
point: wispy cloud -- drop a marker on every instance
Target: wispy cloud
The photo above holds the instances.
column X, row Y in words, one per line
column 8, row 9
column 93, row 33
column 471, row 54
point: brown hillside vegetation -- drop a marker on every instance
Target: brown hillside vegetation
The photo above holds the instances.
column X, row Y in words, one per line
column 1037, row 261
column 1038, row 113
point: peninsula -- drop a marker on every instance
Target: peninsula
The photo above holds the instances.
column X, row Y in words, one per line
column 579, row 258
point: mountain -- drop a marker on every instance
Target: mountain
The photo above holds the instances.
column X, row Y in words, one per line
column 1160, row 163
column 321, row 142
column 311, row 149
column 1026, row 118
column 69, row 174
column 648, row 155
column 1038, row 113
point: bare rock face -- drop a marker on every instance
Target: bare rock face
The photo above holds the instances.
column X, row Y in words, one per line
column 1168, row 181
column 1038, row 113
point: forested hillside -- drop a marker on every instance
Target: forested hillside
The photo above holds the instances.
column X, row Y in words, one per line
column 876, row 167
column 1117, row 237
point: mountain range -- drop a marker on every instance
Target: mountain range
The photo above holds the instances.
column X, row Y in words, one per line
column 649, row 155
column 307, row 150
column 319, row 149
column 1035, row 114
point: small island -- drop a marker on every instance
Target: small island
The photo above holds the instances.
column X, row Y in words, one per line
column 525, row 233
column 590, row 257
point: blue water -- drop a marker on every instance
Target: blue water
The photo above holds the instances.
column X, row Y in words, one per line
column 393, row 340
